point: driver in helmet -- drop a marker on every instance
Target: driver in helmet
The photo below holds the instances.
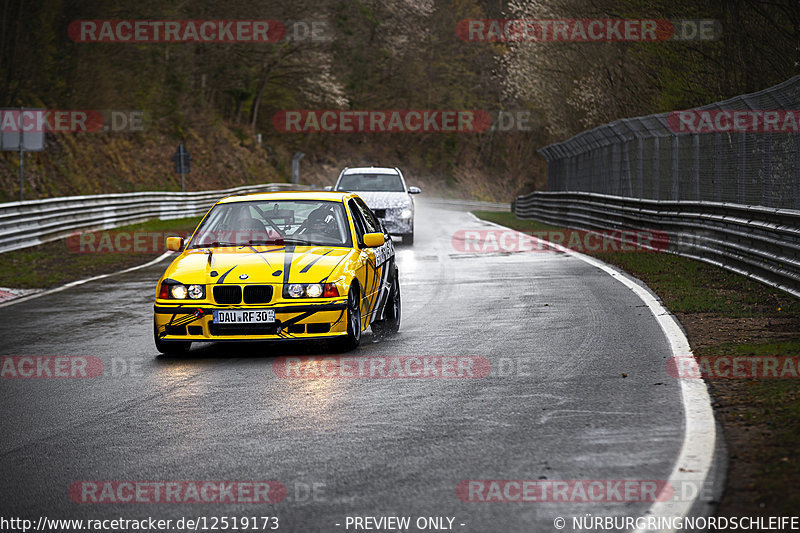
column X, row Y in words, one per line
column 321, row 221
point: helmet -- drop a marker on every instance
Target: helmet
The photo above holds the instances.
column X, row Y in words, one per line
column 322, row 220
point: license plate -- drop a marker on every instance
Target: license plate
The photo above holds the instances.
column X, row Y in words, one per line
column 256, row 316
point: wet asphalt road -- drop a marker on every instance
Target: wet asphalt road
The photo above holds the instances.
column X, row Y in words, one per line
column 558, row 333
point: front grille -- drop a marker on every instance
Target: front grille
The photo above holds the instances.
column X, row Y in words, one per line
column 380, row 213
column 257, row 294
column 319, row 328
column 243, row 329
column 195, row 330
column 228, row 294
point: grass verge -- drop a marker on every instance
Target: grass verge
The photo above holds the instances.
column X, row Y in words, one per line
column 726, row 314
column 58, row 262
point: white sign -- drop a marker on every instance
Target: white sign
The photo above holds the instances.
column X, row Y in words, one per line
column 22, row 129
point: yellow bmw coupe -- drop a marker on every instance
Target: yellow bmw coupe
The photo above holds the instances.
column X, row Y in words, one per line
column 279, row 266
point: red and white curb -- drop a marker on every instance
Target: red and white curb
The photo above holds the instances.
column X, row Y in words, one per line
column 8, row 294
column 35, row 293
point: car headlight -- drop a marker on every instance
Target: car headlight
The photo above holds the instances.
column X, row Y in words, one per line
column 405, row 213
column 314, row 291
column 178, row 292
column 196, row 292
column 311, row 290
column 296, row 290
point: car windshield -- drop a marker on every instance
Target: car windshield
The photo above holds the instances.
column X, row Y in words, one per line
column 371, row 183
column 278, row 222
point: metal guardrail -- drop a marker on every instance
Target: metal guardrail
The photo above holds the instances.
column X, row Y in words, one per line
column 759, row 242
column 467, row 204
column 25, row 224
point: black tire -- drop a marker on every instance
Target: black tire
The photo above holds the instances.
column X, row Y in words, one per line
column 353, row 337
column 170, row 347
column 408, row 238
column 391, row 322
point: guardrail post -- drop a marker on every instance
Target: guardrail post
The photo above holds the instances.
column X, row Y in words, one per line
column 740, row 175
column 586, row 169
column 675, row 168
column 605, row 186
column 570, row 162
column 296, row 166
column 626, row 164
column 640, row 165
column 716, row 175
column 21, row 155
column 767, row 178
column 656, row 167
column 696, row 165
column 796, row 171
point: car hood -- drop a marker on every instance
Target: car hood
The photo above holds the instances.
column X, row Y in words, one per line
column 259, row 264
column 386, row 200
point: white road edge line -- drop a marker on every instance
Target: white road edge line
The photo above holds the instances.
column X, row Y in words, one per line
column 82, row 281
column 699, row 437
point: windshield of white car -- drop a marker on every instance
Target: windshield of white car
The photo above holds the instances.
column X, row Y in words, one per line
column 275, row 222
column 371, row 183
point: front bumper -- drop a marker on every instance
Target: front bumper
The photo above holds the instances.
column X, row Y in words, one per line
column 398, row 226
column 292, row 321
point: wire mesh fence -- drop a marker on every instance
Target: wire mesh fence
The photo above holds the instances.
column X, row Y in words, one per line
column 745, row 150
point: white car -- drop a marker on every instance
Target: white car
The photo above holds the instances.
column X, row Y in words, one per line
column 384, row 191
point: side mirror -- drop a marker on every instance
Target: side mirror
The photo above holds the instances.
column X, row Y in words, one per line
column 175, row 244
column 373, row 240
column 414, row 190
column 327, row 188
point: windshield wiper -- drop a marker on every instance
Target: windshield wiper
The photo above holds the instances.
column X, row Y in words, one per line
column 262, row 242
column 216, row 244
column 298, row 241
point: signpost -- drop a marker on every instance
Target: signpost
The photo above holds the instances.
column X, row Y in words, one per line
column 22, row 130
column 181, row 160
column 296, row 166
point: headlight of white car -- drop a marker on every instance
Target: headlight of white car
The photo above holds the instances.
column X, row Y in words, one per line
column 406, row 213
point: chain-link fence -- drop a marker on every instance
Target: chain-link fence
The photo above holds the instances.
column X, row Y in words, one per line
column 745, row 150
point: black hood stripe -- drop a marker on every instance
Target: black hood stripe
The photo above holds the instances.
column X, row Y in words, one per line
column 325, row 279
column 261, row 253
column 222, row 277
column 305, row 268
column 289, row 252
column 287, row 262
